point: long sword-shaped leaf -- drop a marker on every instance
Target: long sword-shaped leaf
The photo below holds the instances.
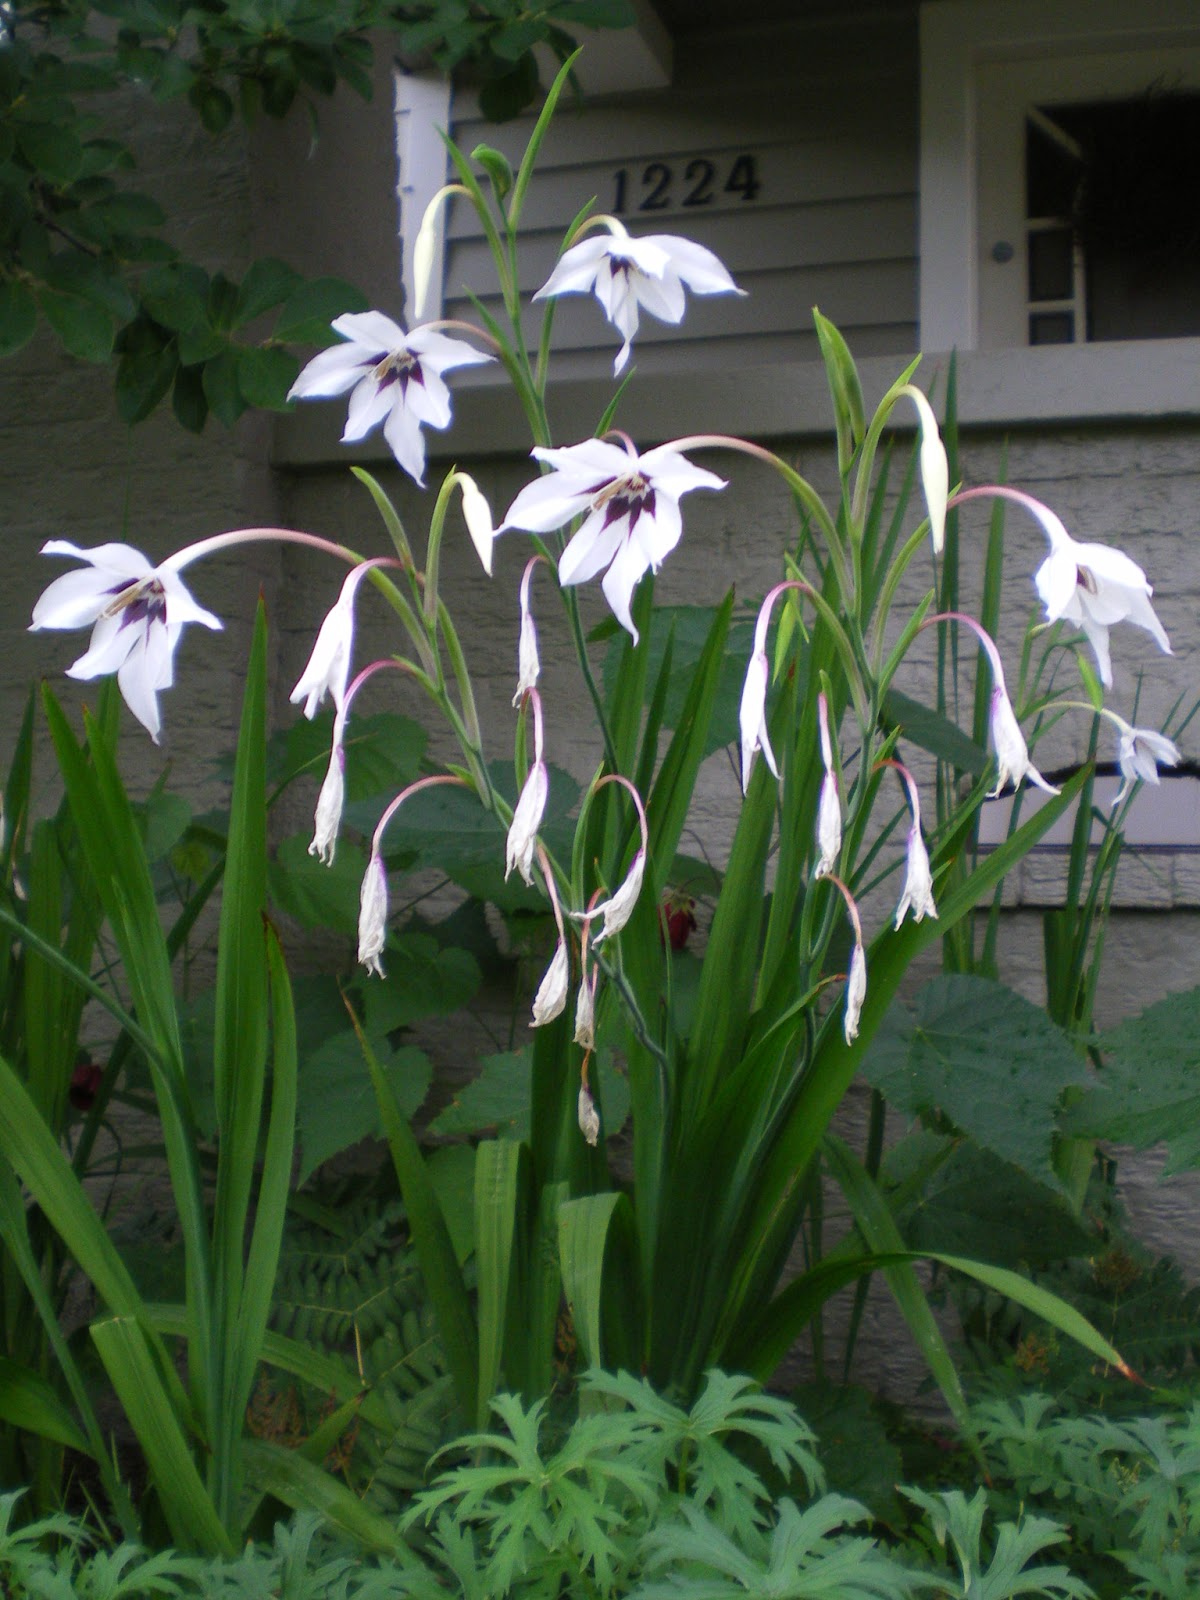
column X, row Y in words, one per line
column 302, row 1485
column 136, row 1377
column 431, row 1239
column 270, row 1210
column 596, row 1242
column 498, row 1197
column 27, row 1401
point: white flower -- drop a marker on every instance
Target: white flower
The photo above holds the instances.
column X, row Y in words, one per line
column 626, row 273
column 551, row 997
column 329, row 806
column 1012, row 753
column 328, row 667
column 1139, row 752
column 395, row 378
column 856, row 991
column 631, row 511
column 918, row 880
column 752, row 715
column 585, row 1015
column 137, row 613
column 372, row 915
column 1093, row 586
column 589, row 1117
column 526, row 820
column 829, row 808
column 618, row 908
column 477, row 515
column 529, row 665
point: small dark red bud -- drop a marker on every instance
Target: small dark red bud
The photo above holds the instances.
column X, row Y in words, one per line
column 679, row 914
column 85, row 1080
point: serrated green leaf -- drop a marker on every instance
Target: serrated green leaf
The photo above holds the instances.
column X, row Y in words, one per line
column 423, row 980
column 318, row 896
column 337, row 1105
column 496, row 1101
column 980, row 1055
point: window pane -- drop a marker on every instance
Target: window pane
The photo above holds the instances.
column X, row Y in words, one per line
column 1052, row 327
column 1051, row 264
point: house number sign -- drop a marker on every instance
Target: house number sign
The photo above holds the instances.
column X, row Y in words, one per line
column 686, row 182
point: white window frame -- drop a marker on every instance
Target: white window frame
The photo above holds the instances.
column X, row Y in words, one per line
column 962, row 42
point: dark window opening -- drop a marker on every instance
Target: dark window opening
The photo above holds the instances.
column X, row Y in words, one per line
column 1112, row 191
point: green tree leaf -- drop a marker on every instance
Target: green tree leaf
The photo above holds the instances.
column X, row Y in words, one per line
column 308, row 312
column 86, row 330
column 18, row 317
column 976, row 1053
column 337, row 1104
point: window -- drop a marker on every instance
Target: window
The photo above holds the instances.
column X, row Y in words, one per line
column 1059, row 165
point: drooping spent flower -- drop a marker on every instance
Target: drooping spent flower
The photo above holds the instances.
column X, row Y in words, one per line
column 585, row 1012
column 829, row 807
column 618, row 908
column 529, row 664
column 1091, row 585
column 1140, row 753
column 328, row 668
column 137, row 613
column 630, row 503
column 626, row 273
column 372, row 915
column 551, row 996
column 856, row 992
column 589, row 1117
column 393, row 377
column 1012, row 753
column 330, row 803
column 530, row 806
column 917, row 894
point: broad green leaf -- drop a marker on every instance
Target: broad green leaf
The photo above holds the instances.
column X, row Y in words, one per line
column 267, row 283
column 1148, row 1089
column 689, row 628
column 221, row 389
column 318, row 896
column 856, row 1451
column 931, row 731
column 338, row 1106
column 423, row 979
column 976, row 1053
column 86, row 330
column 55, row 151
column 143, row 378
column 309, row 310
column 265, row 375
column 18, row 316
column 496, row 1100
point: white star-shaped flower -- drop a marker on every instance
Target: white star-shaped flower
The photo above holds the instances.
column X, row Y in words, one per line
column 137, row 613
column 393, row 377
column 1093, row 586
column 1140, row 752
column 630, row 503
column 626, row 273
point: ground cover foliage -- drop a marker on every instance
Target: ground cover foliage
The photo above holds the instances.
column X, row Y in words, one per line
column 525, row 1354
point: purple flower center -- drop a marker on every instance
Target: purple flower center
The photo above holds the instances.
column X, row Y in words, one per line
column 139, row 603
column 397, row 366
column 1086, row 579
column 630, row 497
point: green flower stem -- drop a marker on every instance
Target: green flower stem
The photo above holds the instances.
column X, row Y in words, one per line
column 866, row 460
column 891, row 583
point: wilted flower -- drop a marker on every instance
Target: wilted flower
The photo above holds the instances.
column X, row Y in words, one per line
column 752, row 714
column 589, row 1117
column 372, row 914
column 394, row 378
column 618, row 908
column 626, row 273
column 829, row 808
column 918, row 880
column 137, row 613
column 631, row 502
column 585, row 1013
column 330, row 801
column 529, row 665
column 551, row 996
column 328, row 667
column 1012, row 753
column 1140, row 752
column 856, row 991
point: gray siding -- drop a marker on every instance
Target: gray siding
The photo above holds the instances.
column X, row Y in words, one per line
column 832, row 134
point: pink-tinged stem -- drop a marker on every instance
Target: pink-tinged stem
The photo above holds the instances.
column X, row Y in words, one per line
column 413, row 788
column 617, row 777
column 910, row 783
column 222, row 541
column 851, row 907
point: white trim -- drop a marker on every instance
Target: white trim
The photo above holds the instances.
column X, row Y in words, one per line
column 956, row 37
column 422, row 109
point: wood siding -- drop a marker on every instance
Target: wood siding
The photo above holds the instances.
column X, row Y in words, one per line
column 832, row 135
